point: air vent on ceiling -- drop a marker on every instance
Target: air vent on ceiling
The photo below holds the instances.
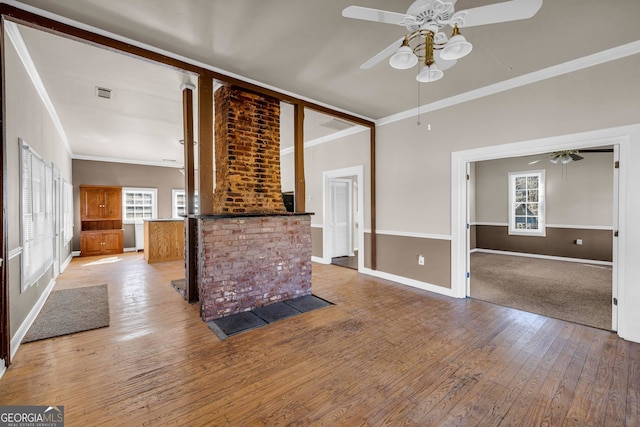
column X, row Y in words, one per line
column 103, row 92
column 337, row 124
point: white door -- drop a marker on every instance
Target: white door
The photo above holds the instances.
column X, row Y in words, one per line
column 340, row 221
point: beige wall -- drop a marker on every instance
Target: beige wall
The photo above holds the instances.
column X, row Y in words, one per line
column 414, row 163
column 350, row 151
column 579, row 193
column 26, row 118
column 125, row 175
column 414, row 167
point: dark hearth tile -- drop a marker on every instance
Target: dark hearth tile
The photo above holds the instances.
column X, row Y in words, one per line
column 238, row 322
column 179, row 285
column 307, row 303
column 271, row 313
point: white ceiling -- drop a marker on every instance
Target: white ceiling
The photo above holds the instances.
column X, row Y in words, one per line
column 302, row 47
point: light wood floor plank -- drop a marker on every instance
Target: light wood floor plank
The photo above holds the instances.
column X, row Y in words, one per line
column 384, row 354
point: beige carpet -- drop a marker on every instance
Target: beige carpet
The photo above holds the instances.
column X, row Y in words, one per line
column 68, row 311
column 576, row 292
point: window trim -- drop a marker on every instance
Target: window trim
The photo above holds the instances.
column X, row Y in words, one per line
column 154, row 202
column 174, row 206
column 541, row 231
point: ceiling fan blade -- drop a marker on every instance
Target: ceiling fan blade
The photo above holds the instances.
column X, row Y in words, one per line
column 512, row 10
column 376, row 15
column 576, row 157
column 385, row 53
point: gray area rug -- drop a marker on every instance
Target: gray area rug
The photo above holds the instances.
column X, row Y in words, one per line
column 68, row 311
column 576, row 292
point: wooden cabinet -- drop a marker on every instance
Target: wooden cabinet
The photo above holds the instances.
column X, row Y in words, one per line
column 100, row 203
column 101, row 220
column 106, row 242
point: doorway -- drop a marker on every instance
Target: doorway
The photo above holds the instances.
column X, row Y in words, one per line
column 461, row 230
column 343, row 217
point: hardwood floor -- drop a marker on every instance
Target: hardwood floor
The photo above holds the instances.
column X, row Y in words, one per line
column 384, row 354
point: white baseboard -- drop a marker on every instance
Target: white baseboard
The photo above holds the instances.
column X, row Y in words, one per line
column 320, row 260
column 409, row 282
column 75, row 253
column 31, row 317
column 550, row 257
column 133, row 249
column 66, row 262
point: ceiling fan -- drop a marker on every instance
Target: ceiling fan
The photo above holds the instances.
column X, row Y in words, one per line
column 425, row 41
column 564, row 157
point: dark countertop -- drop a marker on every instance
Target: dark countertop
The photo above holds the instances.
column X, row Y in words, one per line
column 249, row 215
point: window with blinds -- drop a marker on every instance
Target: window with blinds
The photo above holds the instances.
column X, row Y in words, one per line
column 37, row 225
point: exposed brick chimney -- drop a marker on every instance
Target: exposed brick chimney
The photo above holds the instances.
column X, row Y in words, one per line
column 247, row 151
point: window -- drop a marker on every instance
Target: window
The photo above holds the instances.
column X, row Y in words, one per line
column 527, row 203
column 139, row 203
column 179, row 203
column 37, row 225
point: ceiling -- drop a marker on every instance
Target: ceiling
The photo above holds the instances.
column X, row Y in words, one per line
column 301, row 47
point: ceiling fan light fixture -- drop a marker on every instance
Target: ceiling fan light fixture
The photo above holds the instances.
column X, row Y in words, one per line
column 566, row 159
column 457, row 47
column 429, row 73
column 404, row 58
column 555, row 160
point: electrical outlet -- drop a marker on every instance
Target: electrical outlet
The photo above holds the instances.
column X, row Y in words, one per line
column 420, row 260
column 579, row 242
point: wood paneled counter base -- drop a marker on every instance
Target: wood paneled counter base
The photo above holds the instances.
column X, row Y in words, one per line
column 163, row 240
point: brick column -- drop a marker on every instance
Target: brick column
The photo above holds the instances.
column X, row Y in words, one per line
column 247, row 150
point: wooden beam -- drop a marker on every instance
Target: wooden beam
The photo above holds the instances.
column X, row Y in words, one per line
column 190, row 241
column 205, row 143
column 372, row 169
column 298, row 158
column 50, row 25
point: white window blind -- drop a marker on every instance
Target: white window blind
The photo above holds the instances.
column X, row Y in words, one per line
column 37, row 225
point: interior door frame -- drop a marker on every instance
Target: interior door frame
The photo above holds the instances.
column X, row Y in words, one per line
column 349, row 207
column 619, row 139
column 327, row 176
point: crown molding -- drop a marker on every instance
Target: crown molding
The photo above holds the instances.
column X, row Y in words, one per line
column 598, row 58
column 23, row 53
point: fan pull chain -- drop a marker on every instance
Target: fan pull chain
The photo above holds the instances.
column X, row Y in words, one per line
column 418, row 123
